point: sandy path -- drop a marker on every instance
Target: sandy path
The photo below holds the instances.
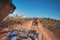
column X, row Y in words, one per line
column 43, row 33
column 47, row 33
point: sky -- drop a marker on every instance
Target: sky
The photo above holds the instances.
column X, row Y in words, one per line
column 38, row 8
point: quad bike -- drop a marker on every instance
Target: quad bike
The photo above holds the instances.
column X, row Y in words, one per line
column 35, row 23
column 22, row 35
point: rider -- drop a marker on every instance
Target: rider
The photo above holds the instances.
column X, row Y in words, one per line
column 36, row 19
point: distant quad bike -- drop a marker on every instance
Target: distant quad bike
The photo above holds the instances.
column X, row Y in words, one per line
column 22, row 35
column 35, row 23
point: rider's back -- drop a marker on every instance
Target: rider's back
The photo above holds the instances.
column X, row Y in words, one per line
column 35, row 19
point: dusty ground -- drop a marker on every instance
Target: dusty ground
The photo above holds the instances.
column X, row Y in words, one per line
column 43, row 33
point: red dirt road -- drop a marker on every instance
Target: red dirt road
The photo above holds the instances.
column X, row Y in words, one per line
column 43, row 33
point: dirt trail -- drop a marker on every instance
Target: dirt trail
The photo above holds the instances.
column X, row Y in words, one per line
column 26, row 25
column 47, row 35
